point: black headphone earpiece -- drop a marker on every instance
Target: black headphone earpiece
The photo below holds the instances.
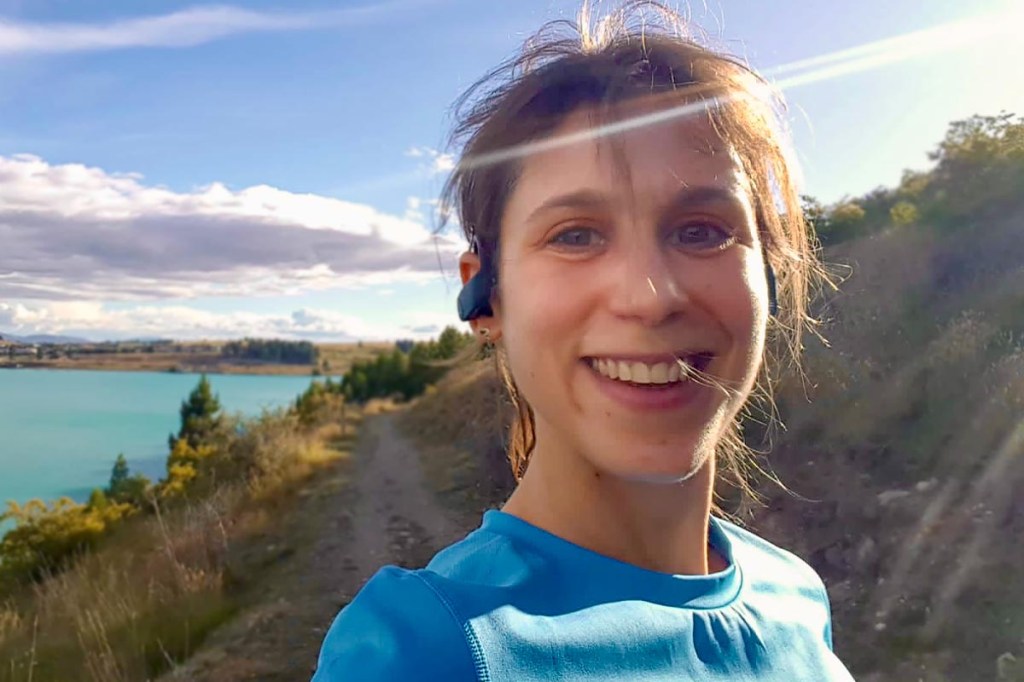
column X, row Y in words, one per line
column 475, row 298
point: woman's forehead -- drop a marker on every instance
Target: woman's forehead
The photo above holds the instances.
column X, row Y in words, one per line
column 647, row 161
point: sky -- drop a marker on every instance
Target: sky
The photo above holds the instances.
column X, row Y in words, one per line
column 211, row 170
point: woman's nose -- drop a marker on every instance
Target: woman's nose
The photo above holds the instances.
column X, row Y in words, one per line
column 647, row 286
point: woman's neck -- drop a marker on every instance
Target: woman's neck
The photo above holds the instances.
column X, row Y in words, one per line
column 660, row 527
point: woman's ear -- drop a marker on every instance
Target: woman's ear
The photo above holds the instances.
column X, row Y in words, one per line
column 469, row 265
column 486, row 328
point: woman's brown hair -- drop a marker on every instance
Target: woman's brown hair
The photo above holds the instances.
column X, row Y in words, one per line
column 640, row 51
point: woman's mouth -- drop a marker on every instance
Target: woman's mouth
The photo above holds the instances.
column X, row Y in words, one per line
column 650, row 385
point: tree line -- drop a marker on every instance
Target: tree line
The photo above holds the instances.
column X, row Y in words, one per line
column 404, row 374
column 977, row 167
column 272, row 350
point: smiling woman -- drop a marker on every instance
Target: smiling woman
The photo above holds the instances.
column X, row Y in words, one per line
column 628, row 202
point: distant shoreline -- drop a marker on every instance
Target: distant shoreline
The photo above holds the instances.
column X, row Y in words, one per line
column 332, row 360
column 269, row 369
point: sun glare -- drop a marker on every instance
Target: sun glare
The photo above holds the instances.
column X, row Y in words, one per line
column 997, row 29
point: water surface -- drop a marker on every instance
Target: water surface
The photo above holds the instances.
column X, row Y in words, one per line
column 60, row 430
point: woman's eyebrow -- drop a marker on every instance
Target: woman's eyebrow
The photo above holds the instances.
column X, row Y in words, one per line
column 687, row 197
column 703, row 195
column 584, row 198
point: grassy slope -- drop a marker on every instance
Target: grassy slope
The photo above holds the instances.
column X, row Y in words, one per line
column 913, row 443
column 458, row 427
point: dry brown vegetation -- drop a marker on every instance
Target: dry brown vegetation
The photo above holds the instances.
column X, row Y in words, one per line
column 458, row 426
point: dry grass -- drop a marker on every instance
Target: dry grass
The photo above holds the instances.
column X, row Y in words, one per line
column 340, row 356
column 920, row 397
column 458, row 427
column 149, row 597
column 152, row 592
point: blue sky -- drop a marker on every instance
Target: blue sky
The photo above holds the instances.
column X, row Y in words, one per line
column 218, row 170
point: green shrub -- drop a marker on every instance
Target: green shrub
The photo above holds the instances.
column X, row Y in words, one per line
column 127, row 488
column 185, row 464
column 200, row 415
column 46, row 538
column 401, row 373
column 903, row 213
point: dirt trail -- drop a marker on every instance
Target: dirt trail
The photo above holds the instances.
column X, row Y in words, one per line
column 385, row 515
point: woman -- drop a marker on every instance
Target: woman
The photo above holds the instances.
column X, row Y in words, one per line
column 627, row 201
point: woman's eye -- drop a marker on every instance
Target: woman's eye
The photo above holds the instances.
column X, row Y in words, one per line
column 701, row 236
column 577, row 237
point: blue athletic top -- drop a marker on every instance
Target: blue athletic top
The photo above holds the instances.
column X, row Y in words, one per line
column 514, row 602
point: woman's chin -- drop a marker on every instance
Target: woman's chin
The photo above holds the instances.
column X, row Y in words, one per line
column 661, row 466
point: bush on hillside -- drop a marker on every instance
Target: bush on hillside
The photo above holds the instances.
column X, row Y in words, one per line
column 48, row 537
column 903, row 213
column 200, row 415
column 125, row 487
column 185, row 464
column 321, row 400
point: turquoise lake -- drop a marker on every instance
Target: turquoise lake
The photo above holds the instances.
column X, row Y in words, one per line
column 60, row 430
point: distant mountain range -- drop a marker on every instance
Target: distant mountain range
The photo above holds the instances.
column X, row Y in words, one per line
column 42, row 338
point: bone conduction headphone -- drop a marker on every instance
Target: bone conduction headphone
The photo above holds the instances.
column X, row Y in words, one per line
column 475, row 298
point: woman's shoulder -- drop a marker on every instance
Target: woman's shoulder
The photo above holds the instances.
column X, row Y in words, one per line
column 412, row 624
column 397, row 627
column 757, row 554
column 771, row 573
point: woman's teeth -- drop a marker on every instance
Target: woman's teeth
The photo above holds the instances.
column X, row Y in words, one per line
column 639, row 372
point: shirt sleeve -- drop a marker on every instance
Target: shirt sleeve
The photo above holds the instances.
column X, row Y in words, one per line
column 396, row 628
column 828, row 613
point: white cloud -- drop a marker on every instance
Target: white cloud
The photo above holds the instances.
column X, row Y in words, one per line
column 444, row 163
column 93, row 320
column 184, row 28
column 412, row 210
column 439, row 162
column 72, row 232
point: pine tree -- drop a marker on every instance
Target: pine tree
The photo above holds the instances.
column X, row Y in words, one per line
column 123, row 487
column 118, row 475
column 200, row 415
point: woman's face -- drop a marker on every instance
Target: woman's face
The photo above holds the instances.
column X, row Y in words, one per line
column 617, row 259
